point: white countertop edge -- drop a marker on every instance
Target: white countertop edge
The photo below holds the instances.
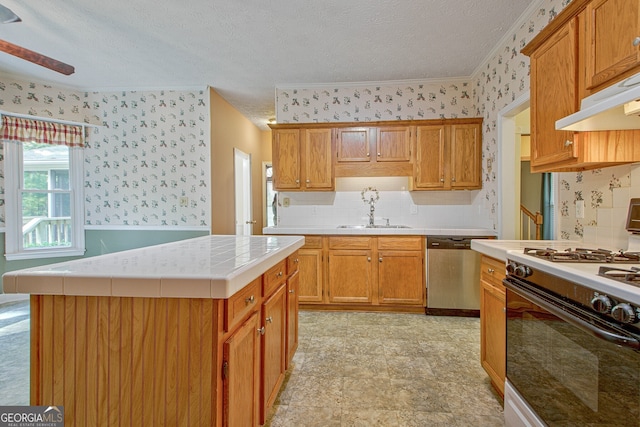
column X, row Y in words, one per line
column 223, row 286
column 333, row 230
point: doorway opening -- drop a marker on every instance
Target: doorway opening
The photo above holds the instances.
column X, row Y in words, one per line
column 242, row 182
column 270, row 196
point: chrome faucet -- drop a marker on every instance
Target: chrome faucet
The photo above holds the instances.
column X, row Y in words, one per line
column 372, row 210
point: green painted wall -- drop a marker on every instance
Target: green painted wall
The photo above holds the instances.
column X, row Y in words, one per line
column 99, row 242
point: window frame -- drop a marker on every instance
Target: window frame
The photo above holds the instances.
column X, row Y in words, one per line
column 14, row 175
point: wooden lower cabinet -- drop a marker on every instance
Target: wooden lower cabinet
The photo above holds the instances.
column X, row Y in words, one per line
column 376, row 272
column 241, row 375
column 493, row 321
column 350, row 276
column 293, row 287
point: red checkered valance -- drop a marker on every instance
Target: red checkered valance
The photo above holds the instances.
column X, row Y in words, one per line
column 28, row 130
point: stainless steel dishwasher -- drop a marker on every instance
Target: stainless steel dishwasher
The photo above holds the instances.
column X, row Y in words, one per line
column 453, row 276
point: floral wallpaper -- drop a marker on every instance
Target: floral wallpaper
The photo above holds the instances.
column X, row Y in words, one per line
column 408, row 100
column 147, row 160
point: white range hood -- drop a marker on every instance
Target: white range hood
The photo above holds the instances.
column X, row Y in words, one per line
column 614, row 108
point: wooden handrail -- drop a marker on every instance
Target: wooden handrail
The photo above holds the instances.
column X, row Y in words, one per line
column 535, row 219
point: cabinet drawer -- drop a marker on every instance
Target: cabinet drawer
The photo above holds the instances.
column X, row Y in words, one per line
column 350, row 242
column 273, row 278
column 492, row 270
column 410, row 243
column 241, row 303
column 292, row 263
column 312, row 242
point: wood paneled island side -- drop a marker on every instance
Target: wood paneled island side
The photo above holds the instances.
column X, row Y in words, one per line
column 176, row 334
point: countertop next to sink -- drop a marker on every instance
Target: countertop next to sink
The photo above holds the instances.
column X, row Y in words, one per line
column 583, row 273
column 334, row 230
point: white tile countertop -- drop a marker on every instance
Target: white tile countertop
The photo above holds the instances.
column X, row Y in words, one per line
column 334, row 230
column 203, row 267
column 583, row 273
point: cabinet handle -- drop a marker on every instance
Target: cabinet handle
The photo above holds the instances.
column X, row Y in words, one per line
column 292, row 291
column 296, row 260
column 367, row 154
column 369, row 258
column 261, row 331
column 249, row 300
column 568, row 143
column 490, row 270
column 297, row 181
column 269, row 319
column 380, row 259
column 441, row 179
column 279, row 274
column 379, row 155
column 636, row 41
column 308, row 181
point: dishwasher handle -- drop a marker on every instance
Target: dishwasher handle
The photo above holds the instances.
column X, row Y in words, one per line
column 451, row 242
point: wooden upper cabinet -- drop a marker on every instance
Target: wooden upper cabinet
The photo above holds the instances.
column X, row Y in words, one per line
column 466, row 156
column 430, row 146
column 302, row 159
column 554, row 96
column 612, row 27
column 318, row 165
column 393, row 144
column 448, row 157
column 286, row 159
column 353, row 145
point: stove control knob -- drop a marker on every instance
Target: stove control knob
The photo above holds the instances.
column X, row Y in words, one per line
column 511, row 267
column 523, row 271
column 624, row 313
column 601, row 303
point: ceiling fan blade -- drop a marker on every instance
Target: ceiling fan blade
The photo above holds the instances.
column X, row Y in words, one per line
column 36, row 58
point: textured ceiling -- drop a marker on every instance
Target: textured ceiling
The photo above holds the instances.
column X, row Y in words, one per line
column 245, row 48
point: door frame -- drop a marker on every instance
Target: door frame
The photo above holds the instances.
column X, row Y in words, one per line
column 242, row 193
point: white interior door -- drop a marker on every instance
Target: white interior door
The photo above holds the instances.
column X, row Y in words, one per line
column 242, row 180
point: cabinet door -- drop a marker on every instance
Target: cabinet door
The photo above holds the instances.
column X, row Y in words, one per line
column 430, row 150
column 353, row 145
column 493, row 332
column 311, row 269
column 317, row 160
column 611, row 29
column 401, row 279
column 286, row 159
column 466, row 155
column 293, row 286
column 350, row 276
column 273, row 354
column 553, row 96
column 241, row 375
column 393, row 144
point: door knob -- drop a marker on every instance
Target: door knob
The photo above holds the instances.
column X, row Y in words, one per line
column 250, row 222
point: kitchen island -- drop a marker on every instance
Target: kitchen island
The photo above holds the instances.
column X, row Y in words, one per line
column 195, row 332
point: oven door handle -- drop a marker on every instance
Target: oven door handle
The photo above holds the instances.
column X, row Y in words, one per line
column 572, row 315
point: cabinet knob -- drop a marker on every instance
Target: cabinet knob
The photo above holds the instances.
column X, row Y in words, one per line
column 369, row 258
column 380, row 259
column 292, row 291
column 308, row 181
column 453, row 179
column 441, row 179
column 269, row 319
column 636, row 41
column 367, row 154
column 279, row 274
column 568, row 143
column 261, row 331
column 249, row 300
column 490, row 270
column 297, row 181
column 379, row 155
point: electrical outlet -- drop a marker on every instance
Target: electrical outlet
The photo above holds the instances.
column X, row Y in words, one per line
column 184, row 202
column 285, row 202
column 579, row 208
column 414, row 210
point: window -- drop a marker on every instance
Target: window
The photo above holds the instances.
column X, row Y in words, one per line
column 43, row 200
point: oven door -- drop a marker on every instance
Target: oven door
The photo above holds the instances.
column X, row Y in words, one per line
column 571, row 367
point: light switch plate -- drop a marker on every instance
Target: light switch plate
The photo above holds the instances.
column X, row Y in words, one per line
column 579, row 208
column 414, row 210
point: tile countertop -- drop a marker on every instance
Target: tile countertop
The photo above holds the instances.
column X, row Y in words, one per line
column 203, row 267
column 583, row 273
column 334, row 230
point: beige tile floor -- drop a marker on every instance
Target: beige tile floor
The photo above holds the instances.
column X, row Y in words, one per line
column 378, row 369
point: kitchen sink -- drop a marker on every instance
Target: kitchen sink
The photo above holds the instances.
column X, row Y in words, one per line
column 373, row 226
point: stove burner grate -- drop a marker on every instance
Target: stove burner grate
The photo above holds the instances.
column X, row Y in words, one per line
column 630, row 276
column 584, row 255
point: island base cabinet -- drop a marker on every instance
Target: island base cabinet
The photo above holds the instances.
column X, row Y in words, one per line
column 133, row 361
column 241, row 375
